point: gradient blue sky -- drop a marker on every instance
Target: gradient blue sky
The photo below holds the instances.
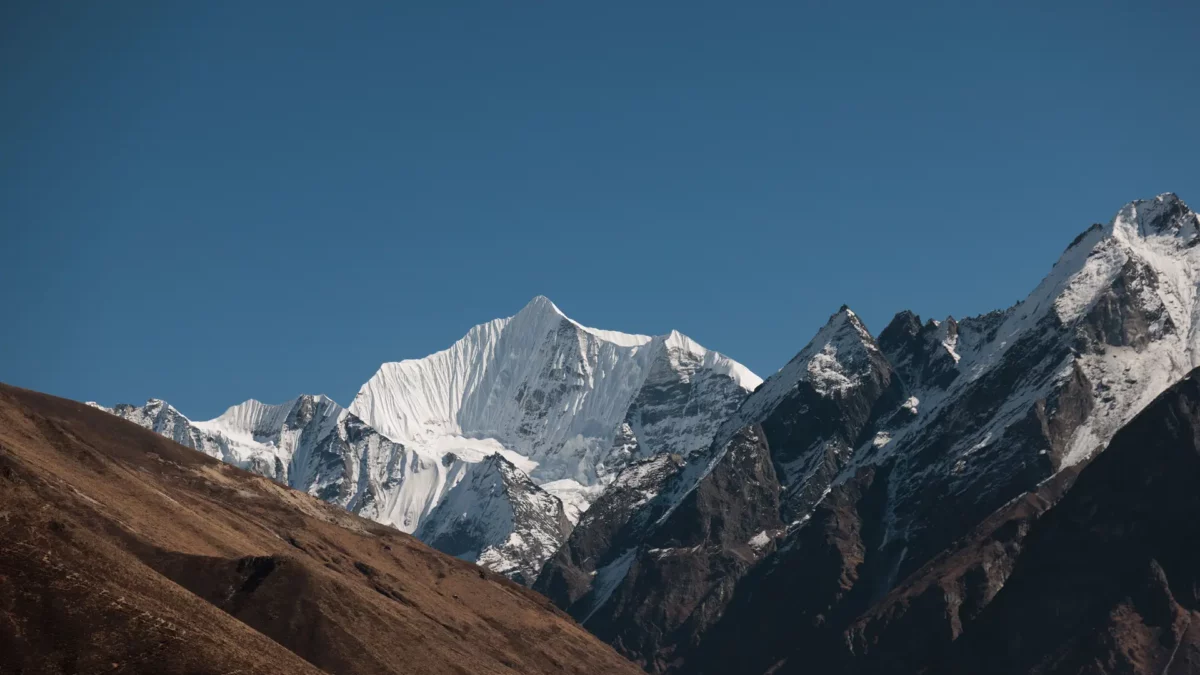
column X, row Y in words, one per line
column 208, row 202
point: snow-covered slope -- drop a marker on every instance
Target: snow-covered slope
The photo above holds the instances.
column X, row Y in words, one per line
column 496, row 516
column 531, row 400
column 312, row 444
column 568, row 404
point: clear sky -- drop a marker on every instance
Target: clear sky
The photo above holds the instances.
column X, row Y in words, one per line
column 214, row 201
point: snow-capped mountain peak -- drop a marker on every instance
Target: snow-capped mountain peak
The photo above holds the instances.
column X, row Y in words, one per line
column 838, row 356
column 1165, row 215
column 541, row 308
column 262, row 421
column 550, row 391
column 535, row 402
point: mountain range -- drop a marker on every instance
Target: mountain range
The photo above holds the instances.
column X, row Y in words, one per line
column 492, row 448
column 862, row 510
column 865, row 458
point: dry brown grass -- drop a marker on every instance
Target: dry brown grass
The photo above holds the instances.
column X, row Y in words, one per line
column 121, row 551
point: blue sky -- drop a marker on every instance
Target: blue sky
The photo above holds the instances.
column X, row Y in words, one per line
column 209, row 202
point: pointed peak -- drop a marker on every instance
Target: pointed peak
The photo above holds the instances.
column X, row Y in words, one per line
column 678, row 340
column 845, row 314
column 1154, row 232
column 499, row 464
column 949, row 326
column 904, row 325
column 541, row 305
column 537, row 316
column 844, row 333
column 499, row 460
column 540, row 314
column 844, row 319
column 1165, row 215
column 840, row 357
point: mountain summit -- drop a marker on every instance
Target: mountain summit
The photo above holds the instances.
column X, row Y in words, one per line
column 864, row 459
column 558, row 394
column 537, row 403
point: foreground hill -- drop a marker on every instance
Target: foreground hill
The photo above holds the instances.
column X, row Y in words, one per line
column 122, row 551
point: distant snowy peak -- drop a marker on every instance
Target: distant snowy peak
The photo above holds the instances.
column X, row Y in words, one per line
column 555, row 394
column 1164, row 216
column 163, row 419
column 1145, row 257
column 312, row 444
column 275, row 429
column 1146, row 235
column 259, row 419
column 156, row 413
column 837, row 359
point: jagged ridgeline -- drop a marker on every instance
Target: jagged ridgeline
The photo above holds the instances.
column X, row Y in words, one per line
column 856, row 512
column 866, row 459
column 491, row 449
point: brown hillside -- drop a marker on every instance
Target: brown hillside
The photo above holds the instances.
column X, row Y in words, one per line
column 122, row 552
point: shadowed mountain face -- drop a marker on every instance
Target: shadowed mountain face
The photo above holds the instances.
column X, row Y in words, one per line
column 1094, row 571
column 1109, row 579
column 869, row 500
column 122, row 551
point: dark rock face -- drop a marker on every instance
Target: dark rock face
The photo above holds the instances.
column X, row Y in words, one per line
column 680, row 579
column 918, row 353
column 1101, row 580
column 497, row 517
column 653, row 580
column 1128, row 314
column 935, row 467
column 1108, row 581
column 906, row 629
column 812, row 433
column 911, row 471
column 607, row 530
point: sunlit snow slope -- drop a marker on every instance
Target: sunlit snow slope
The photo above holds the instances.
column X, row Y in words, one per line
column 529, row 416
column 569, row 405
